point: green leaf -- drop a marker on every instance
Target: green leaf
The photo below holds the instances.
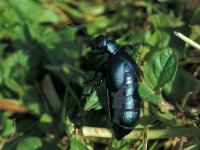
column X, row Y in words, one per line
column 183, row 83
column 15, row 65
column 6, row 12
column 147, row 94
column 162, row 20
column 167, row 117
column 71, row 11
column 46, row 123
column 121, row 144
column 92, row 9
column 92, row 102
column 161, row 69
column 195, row 19
column 99, row 23
column 13, row 70
column 195, row 33
column 46, row 118
column 69, row 127
column 32, row 11
column 34, row 143
column 2, row 48
column 8, row 128
column 147, row 120
column 77, row 145
column 160, row 38
column 32, row 100
column 14, row 86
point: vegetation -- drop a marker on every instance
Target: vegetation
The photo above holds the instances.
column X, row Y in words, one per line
column 44, row 62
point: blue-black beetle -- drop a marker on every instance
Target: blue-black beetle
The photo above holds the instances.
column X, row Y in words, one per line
column 121, row 80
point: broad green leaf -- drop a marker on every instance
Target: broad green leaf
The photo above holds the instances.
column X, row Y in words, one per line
column 183, row 83
column 6, row 12
column 195, row 19
column 32, row 100
column 195, row 33
column 10, row 65
column 147, row 120
column 135, row 50
column 34, row 143
column 32, row 11
column 159, row 38
column 77, row 145
column 13, row 70
column 92, row 9
column 69, row 127
column 121, row 144
column 147, row 94
column 2, row 48
column 161, row 69
column 8, row 128
column 46, row 118
column 14, row 86
column 167, row 118
column 73, row 12
column 132, row 38
column 99, row 23
column 46, row 123
column 162, row 20
column 92, row 102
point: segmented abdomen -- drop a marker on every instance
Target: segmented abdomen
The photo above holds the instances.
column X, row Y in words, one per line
column 130, row 104
column 124, row 105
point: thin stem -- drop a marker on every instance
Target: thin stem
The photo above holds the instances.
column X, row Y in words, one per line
column 59, row 68
column 71, row 91
column 180, row 147
column 64, row 108
column 76, row 70
column 185, row 99
column 187, row 40
column 11, row 136
column 145, row 137
column 138, row 134
column 146, row 128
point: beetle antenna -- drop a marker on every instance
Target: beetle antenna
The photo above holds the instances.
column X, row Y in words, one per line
column 82, row 28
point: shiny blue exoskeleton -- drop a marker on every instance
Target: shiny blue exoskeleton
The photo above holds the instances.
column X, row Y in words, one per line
column 121, row 80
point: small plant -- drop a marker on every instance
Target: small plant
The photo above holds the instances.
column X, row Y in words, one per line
column 44, row 62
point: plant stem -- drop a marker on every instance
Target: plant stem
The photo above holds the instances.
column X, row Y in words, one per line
column 146, row 128
column 187, row 40
column 64, row 107
column 73, row 94
column 138, row 134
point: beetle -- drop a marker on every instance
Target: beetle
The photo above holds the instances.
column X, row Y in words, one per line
column 122, row 80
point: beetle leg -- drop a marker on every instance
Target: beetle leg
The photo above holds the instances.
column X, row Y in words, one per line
column 94, row 77
column 138, row 45
column 96, row 73
column 94, row 87
column 135, row 46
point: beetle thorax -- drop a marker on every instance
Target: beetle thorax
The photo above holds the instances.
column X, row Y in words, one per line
column 112, row 47
column 104, row 44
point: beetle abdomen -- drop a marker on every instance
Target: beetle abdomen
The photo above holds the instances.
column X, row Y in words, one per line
column 124, row 104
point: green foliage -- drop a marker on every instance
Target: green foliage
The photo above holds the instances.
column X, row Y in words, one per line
column 44, row 62
column 32, row 143
column 160, row 69
column 8, row 127
column 147, row 94
column 92, row 102
column 76, row 145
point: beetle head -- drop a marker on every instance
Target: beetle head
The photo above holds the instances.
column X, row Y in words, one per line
column 101, row 44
